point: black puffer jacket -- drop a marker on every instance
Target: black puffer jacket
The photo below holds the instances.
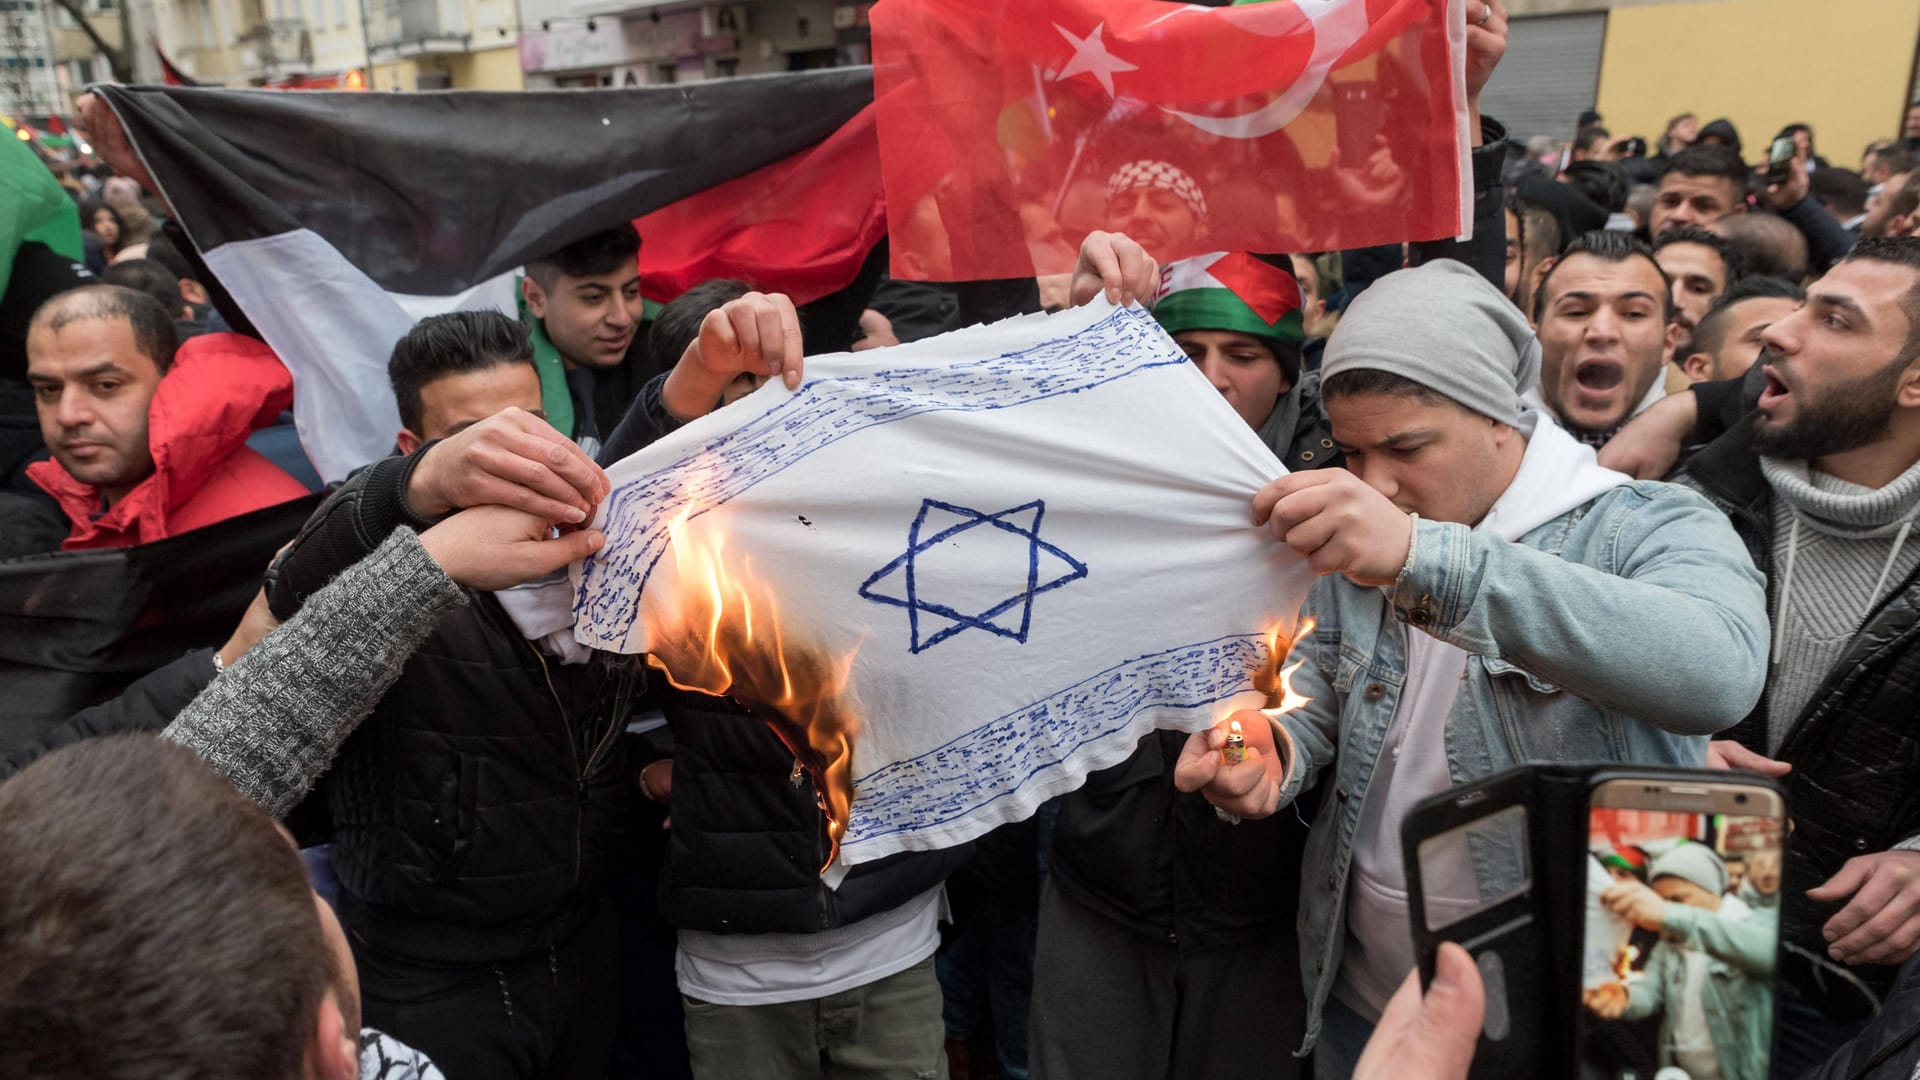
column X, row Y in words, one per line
column 1855, row 749
column 749, row 840
column 1889, row 1049
column 479, row 806
column 149, row 705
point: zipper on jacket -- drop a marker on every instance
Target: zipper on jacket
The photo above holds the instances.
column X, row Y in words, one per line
column 580, row 779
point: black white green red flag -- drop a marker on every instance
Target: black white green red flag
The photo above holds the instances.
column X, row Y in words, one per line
column 337, row 220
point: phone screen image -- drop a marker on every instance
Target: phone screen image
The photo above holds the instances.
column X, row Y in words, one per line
column 1681, row 936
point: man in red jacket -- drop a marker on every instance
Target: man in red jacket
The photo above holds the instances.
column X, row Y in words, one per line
column 148, row 437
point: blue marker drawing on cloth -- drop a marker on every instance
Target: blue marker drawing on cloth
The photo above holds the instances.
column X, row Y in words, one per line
column 914, row 580
column 822, row 412
column 1065, row 495
column 995, row 759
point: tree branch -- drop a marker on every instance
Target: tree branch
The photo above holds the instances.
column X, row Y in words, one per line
column 116, row 59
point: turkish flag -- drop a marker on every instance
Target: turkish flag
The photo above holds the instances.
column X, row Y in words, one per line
column 1009, row 129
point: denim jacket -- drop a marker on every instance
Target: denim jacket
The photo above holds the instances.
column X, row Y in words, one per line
column 1738, row 1007
column 1628, row 629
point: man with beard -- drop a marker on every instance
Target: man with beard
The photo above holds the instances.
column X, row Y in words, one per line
column 1701, row 185
column 1605, row 313
column 1822, row 481
column 1891, row 207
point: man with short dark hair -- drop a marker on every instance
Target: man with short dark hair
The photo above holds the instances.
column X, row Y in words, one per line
column 585, row 307
column 1701, row 267
column 1767, row 244
column 1312, row 275
column 148, row 276
column 1822, row 482
column 492, row 948
column 156, row 924
column 678, row 323
column 489, row 718
column 149, row 437
column 1720, row 133
column 1893, row 208
column 1533, row 240
column 452, row 371
column 1727, row 340
column 1842, row 193
column 1701, row 185
column 1886, row 162
column 1605, row 313
column 1590, row 143
column 161, row 249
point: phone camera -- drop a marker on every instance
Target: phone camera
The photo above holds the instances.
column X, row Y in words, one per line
column 1741, row 799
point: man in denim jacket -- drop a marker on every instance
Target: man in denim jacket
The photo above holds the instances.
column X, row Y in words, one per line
column 1565, row 612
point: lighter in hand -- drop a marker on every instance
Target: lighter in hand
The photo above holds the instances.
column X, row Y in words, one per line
column 1235, row 751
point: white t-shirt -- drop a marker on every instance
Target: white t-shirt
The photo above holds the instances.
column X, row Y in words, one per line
column 772, row 969
column 1692, row 1040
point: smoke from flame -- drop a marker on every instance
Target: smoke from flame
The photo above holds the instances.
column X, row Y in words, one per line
column 726, row 639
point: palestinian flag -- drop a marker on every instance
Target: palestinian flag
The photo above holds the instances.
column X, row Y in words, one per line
column 77, row 627
column 1230, row 291
column 338, row 220
column 1009, row 129
column 171, row 75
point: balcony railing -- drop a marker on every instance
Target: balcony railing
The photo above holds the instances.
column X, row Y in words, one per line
column 407, row 27
column 279, row 47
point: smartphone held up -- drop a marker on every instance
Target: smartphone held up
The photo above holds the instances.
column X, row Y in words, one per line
column 1625, row 920
column 1681, row 928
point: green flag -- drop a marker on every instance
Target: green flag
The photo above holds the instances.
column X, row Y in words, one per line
column 33, row 208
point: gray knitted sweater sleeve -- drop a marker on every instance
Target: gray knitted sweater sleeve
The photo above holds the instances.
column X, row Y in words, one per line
column 273, row 721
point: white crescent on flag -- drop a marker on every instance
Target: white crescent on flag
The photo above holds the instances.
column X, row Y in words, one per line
column 1337, row 25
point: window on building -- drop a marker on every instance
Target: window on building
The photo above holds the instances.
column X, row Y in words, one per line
column 340, row 13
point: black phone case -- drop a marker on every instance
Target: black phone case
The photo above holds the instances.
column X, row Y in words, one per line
column 1527, row 946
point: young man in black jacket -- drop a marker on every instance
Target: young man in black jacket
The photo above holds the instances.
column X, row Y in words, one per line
column 1822, row 481
column 476, row 811
column 478, row 808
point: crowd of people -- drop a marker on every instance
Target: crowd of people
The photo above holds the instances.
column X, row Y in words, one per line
column 1640, row 490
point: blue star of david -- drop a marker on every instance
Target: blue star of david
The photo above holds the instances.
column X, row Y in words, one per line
column 1034, row 567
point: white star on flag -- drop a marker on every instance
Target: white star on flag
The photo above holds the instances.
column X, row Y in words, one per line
column 1090, row 57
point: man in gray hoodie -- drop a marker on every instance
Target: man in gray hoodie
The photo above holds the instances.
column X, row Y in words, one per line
column 1564, row 613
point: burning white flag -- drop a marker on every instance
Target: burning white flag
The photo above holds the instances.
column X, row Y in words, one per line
column 967, row 571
